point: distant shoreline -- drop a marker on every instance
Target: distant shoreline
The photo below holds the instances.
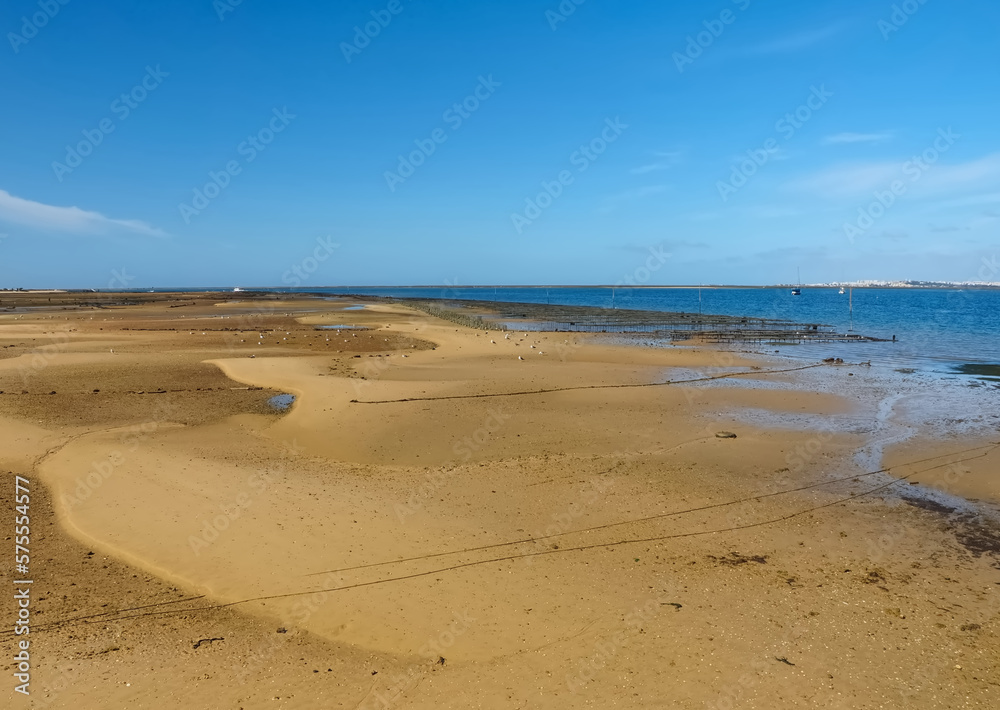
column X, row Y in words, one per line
column 351, row 290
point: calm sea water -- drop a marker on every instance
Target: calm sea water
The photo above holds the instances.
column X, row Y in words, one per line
column 936, row 329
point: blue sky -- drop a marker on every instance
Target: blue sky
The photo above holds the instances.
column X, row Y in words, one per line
column 596, row 136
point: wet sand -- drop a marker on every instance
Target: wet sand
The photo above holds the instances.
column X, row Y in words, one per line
column 589, row 541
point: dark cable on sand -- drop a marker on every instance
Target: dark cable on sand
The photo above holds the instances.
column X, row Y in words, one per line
column 652, row 517
column 590, row 387
column 990, row 448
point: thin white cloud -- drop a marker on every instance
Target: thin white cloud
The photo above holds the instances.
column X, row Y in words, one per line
column 973, row 200
column 704, row 216
column 773, row 212
column 650, row 168
column 777, row 154
column 797, row 41
column 667, row 161
column 613, row 202
column 937, row 179
column 66, row 219
column 849, row 180
column 857, row 138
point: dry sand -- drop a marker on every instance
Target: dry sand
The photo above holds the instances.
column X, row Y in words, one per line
column 591, row 545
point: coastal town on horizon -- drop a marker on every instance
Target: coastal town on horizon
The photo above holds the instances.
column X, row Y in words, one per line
column 867, row 283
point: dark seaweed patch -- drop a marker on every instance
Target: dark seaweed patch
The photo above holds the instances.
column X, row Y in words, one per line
column 981, row 370
column 977, row 534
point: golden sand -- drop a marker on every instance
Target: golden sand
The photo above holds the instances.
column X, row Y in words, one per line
column 576, row 544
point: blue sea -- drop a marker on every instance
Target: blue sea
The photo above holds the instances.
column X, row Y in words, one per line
column 941, row 377
column 937, row 330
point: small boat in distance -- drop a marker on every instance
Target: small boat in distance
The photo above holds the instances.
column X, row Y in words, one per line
column 841, row 290
column 797, row 291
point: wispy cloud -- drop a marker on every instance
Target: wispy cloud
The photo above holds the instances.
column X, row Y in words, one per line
column 777, row 154
column 672, row 245
column 773, row 212
column 857, row 138
column 666, row 161
column 974, row 200
column 945, row 230
column 704, row 216
column 66, row 219
column 849, row 180
column 938, row 179
column 613, row 202
column 796, row 42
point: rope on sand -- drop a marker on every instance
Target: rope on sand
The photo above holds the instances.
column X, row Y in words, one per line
column 592, row 387
column 628, row 541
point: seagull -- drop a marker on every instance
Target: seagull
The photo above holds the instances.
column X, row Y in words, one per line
column 493, row 342
column 519, row 357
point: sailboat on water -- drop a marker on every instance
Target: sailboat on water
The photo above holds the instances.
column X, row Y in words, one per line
column 797, row 291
